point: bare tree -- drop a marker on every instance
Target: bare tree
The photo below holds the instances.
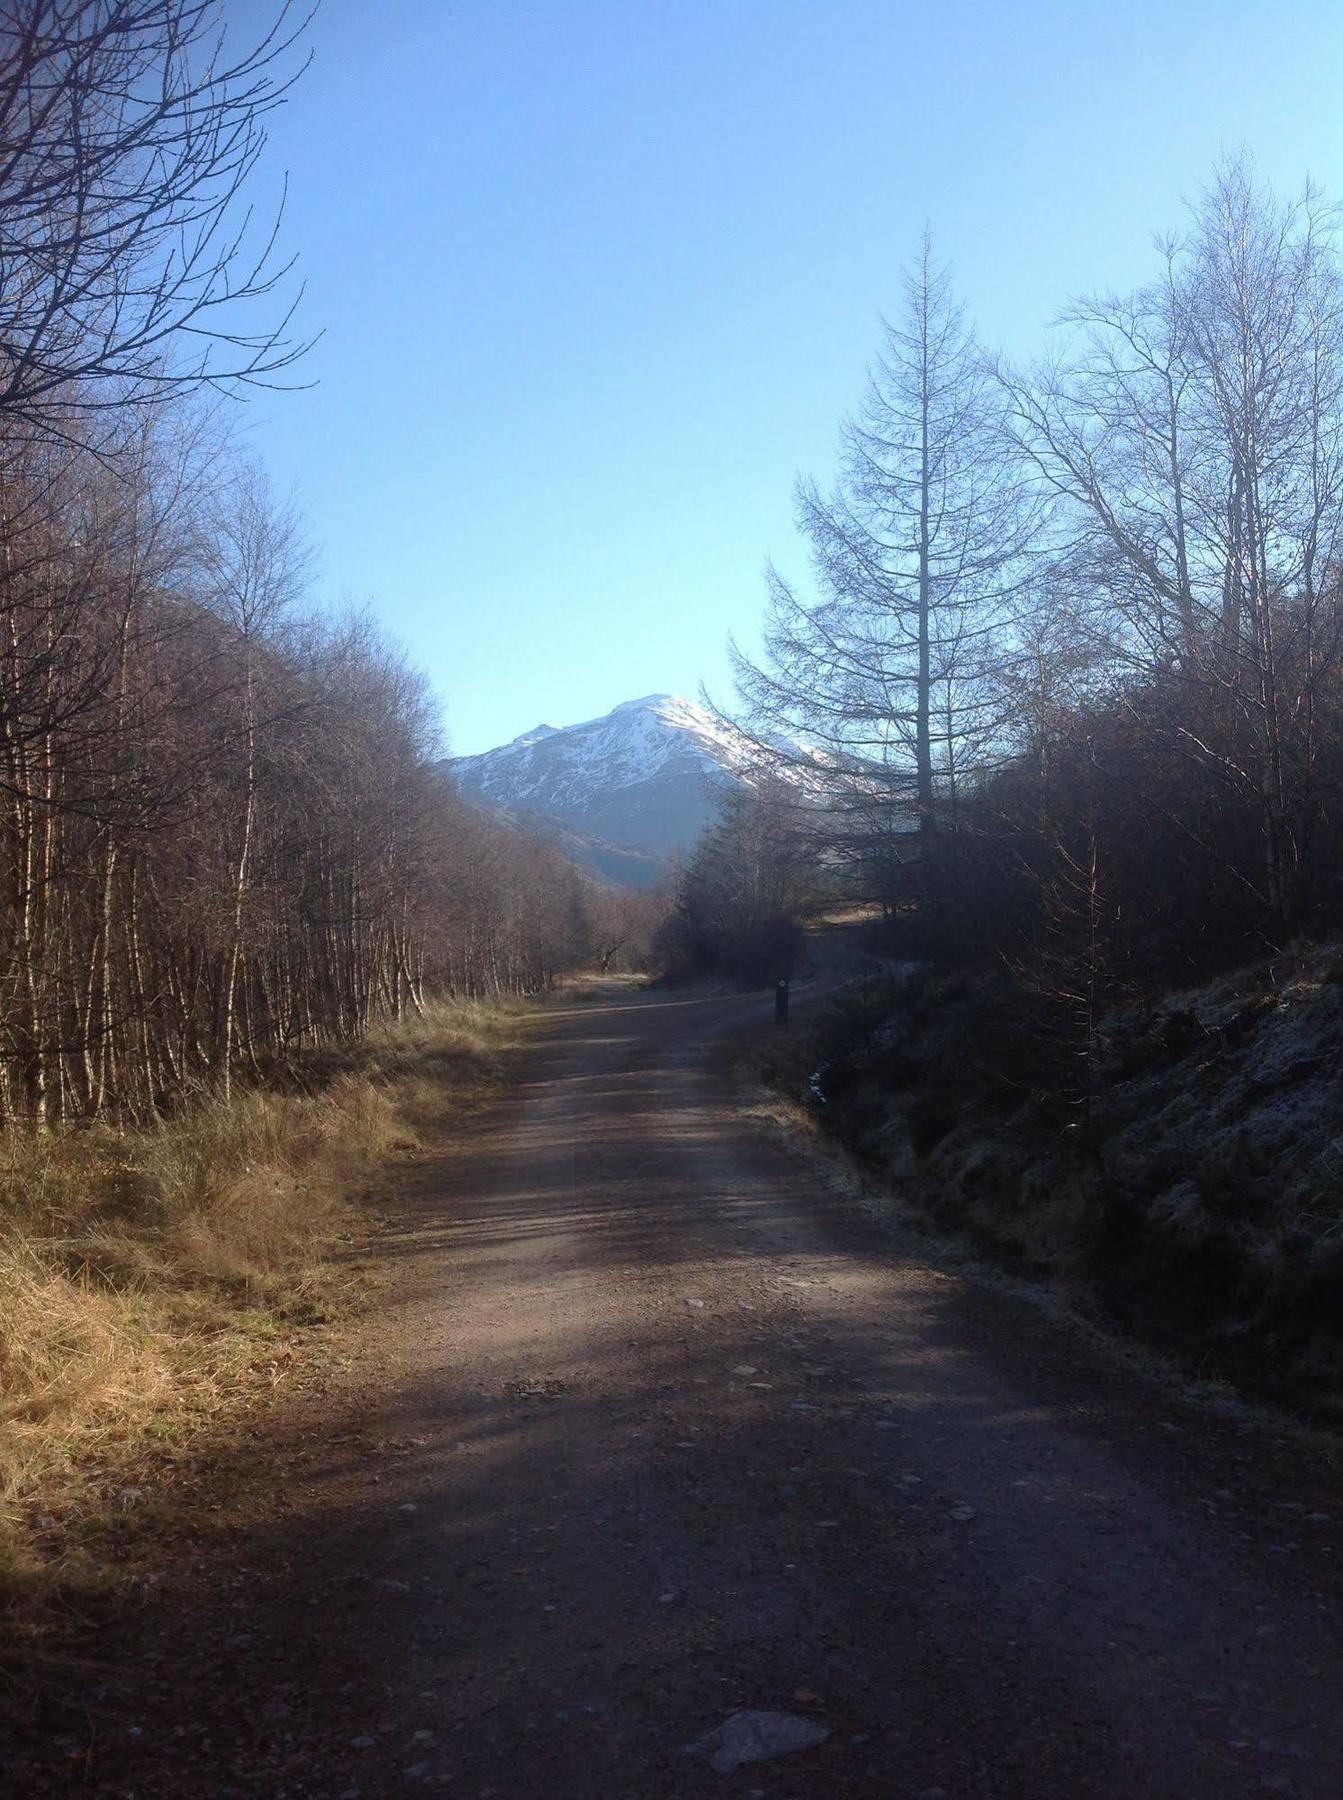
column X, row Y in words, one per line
column 885, row 671
column 130, row 260
column 253, row 567
column 1193, row 436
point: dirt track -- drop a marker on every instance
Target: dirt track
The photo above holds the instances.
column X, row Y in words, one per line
column 655, row 1426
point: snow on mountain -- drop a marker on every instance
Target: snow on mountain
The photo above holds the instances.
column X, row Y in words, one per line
column 646, row 777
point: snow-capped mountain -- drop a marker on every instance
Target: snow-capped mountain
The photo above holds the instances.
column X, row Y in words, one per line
column 645, row 779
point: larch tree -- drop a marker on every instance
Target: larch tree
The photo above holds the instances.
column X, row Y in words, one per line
column 884, row 672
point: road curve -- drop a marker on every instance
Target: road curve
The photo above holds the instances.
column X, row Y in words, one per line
column 656, row 1426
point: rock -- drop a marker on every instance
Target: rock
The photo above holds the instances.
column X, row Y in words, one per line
column 362, row 1742
column 751, row 1737
column 690, row 1302
column 963, row 1514
column 744, row 1369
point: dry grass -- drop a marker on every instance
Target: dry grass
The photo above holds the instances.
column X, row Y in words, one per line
column 146, row 1275
column 585, row 986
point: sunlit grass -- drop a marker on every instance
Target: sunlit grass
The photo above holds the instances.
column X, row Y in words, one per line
column 149, row 1276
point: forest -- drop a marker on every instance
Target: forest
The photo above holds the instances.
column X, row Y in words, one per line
column 226, row 839
column 1067, row 677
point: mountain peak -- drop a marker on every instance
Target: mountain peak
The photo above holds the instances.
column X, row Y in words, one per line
column 672, row 707
column 645, row 700
column 648, row 703
column 646, row 777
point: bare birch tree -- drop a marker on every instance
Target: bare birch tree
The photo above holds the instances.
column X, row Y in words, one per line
column 253, row 569
column 1193, row 435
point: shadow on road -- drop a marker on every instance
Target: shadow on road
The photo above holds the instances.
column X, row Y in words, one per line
column 657, row 1426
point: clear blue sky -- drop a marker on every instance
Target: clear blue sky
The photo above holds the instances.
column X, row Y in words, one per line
column 599, row 277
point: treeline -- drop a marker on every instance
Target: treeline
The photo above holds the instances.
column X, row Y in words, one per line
column 1069, row 668
column 740, row 900
column 225, row 839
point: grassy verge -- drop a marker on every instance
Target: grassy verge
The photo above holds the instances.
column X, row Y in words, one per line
column 155, row 1281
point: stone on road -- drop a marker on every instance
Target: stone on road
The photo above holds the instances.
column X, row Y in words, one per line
column 751, row 1737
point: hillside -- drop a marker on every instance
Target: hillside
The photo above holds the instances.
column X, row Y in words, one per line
column 624, row 793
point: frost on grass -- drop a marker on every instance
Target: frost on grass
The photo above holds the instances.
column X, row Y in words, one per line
column 1201, row 1198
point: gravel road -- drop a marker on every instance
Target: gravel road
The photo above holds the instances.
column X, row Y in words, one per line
column 654, row 1426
